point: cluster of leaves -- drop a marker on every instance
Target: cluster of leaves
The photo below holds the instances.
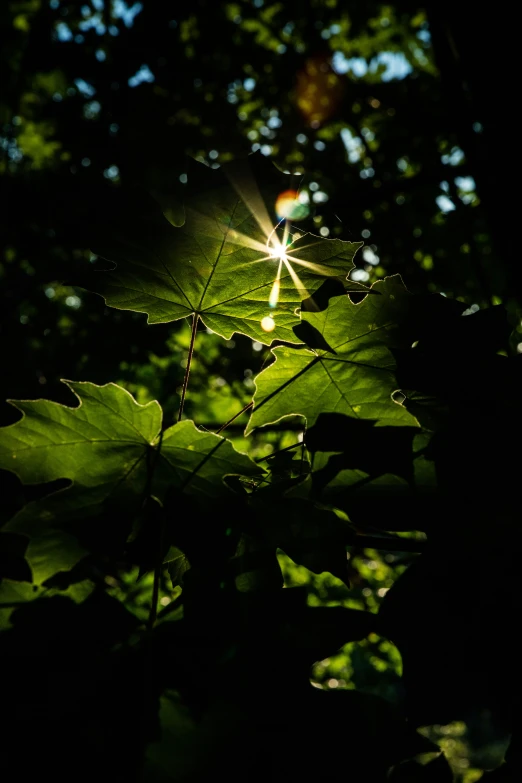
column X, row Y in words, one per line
column 410, row 416
column 118, row 92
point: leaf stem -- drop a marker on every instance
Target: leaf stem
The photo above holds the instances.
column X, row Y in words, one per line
column 195, row 319
column 244, row 410
column 155, row 586
column 151, row 466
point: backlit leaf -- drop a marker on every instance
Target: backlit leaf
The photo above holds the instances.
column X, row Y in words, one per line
column 112, row 450
column 354, row 375
column 223, row 262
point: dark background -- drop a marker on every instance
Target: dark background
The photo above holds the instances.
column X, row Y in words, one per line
column 402, row 118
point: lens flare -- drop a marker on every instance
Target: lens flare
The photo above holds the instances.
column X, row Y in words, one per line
column 280, row 247
column 277, row 248
column 278, row 251
column 267, row 323
column 289, row 207
column 274, row 294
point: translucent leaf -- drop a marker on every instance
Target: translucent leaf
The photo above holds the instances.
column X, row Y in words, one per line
column 113, row 452
column 348, row 368
column 226, row 263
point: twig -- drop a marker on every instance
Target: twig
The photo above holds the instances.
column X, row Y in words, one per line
column 279, row 451
column 284, row 427
column 224, row 426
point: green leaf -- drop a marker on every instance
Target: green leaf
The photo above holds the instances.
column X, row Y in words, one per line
column 51, row 439
column 218, row 264
column 195, row 462
column 49, row 550
column 354, row 376
column 112, row 450
column 101, row 446
column 380, row 476
column 12, row 595
column 376, row 499
column 177, row 564
column 311, row 536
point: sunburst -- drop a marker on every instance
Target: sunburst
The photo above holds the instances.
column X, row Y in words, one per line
column 275, row 249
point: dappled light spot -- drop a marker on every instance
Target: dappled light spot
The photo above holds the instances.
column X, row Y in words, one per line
column 359, row 275
column 319, row 91
column 143, row 74
column 445, row 204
